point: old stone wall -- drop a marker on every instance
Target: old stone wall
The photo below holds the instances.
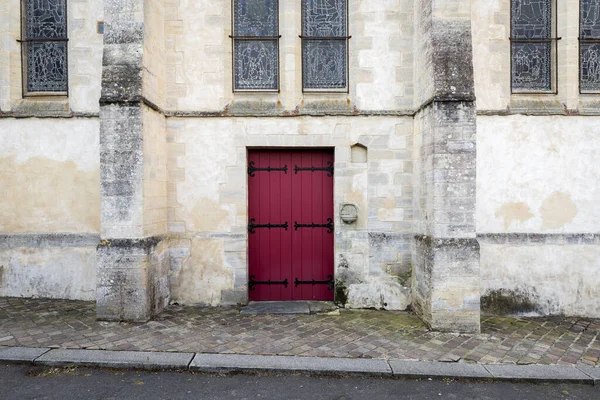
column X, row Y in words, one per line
column 536, row 214
column 537, row 176
column 208, row 203
column 491, row 57
column 199, row 58
column 84, row 58
column 49, row 208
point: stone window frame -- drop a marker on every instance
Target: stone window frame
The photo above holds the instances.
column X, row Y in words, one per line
column 553, row 54
column 347, row 38
column 581, row 41
column 24, row 56
column 235, row 38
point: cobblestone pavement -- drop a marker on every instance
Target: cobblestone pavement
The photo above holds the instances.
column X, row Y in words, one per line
column 369, row 334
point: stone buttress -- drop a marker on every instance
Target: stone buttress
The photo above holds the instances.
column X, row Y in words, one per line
column 446, row 252
column 132, row 256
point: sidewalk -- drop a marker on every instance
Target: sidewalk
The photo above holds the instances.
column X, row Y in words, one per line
column 374, row 336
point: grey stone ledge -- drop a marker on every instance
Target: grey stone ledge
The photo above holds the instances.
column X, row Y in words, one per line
column 141, row 243
column 431, row 369
column 540, row 238
column 581, row 112
column 289, row 364
column 592, row 372
column 21, row 354
column 48, row 114
column 42, row 240
column 538, row 373
column 116, row 359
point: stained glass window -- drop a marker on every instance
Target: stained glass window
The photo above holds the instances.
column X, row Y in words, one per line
column 531, row 45
column 45, row 46
column 325, row 44
column 256, row 45
column 589, row 46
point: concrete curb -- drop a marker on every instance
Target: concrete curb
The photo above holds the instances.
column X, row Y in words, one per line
column 235, row 363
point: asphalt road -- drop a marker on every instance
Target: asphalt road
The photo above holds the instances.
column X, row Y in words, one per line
column 25, row 382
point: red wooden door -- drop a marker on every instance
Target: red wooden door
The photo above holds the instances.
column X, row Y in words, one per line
column 290, row 225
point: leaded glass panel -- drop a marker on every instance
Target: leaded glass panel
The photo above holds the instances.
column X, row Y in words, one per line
column 46, row 19
column 531, row 19
column 255, row 18
column 590, row 19
column 255, row 44
column 256, row 65
column 324, row 64
column 531, row 66
column 589, row 62
column 45, row 46
column 324, row 18
column 531, row 47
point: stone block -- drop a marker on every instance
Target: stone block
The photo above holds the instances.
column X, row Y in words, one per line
column 115, row 359
column 313, row 365
column 381, row 294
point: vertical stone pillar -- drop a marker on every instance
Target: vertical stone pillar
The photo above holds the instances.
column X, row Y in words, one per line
column 446, row 251
column 132, row 257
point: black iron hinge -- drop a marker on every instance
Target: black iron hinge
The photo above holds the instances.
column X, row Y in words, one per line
column 328, row 169
column 252, row 226
column 329, row 282
column 252, row 283
column 328, row 225
column 252, row 169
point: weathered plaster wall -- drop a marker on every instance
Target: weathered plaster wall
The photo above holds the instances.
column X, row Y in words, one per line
column 49, row 272
column 50, row 177
column 538, row 174
column 84, row 57
column 208, row 202
column 523, row 276
column 200, row 61
column 537, row 218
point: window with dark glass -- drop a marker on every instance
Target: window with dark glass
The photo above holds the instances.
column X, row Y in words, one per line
column 532, row 46
column 589, row 46
column 256, row 45
column 44, row 46
column 325, row 45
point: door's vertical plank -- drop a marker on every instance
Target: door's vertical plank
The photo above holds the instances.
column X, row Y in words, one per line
column 307, row 233
column 319, row 234
column 253, row 248
column 329, row 212
column 286, row 215
column 263, row 233
column 275, row 235
column 297, row 252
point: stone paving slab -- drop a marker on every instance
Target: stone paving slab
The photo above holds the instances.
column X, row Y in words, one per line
column 276, row 307
column 21, row 354
column 351, row 334
column 116, row 359
column 312, row 365
column 544, row 373
column 427, row 369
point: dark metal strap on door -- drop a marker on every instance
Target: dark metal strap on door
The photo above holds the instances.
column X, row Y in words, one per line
column 252, row 169
column 328, row 169
column 328, row 225
column 329, row 282
column 252, row 283
column 252, row 226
